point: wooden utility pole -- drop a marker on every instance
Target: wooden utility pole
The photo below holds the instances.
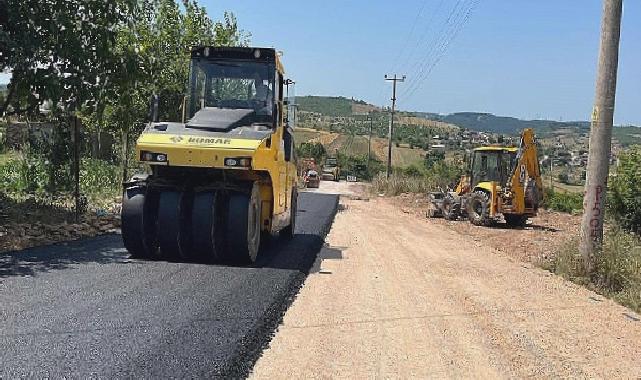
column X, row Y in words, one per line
column 369, row 141
column 551, row 175
column 601, row 133
column 76, row 166
column 125, row 155
column 394, row 80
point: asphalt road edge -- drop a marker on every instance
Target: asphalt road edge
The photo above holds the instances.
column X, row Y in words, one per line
column 252, row 345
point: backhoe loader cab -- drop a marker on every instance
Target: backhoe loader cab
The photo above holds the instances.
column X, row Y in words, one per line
column 223, row 176
column 491, row 164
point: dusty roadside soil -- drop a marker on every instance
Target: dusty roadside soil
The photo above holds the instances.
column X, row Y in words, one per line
column 537, row 242
column 394, row 295
column 30, row 224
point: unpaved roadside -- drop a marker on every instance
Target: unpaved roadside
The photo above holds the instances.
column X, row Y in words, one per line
column 396, row 296
column 538, row 242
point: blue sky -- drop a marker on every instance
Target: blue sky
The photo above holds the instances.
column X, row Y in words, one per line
column 523, row 58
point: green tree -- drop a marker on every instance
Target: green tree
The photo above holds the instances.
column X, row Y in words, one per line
column 625, row 190
column 311, row 150
column 56, row 50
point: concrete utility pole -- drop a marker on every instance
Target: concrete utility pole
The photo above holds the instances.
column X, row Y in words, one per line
column 601, row 133
column 391, row 121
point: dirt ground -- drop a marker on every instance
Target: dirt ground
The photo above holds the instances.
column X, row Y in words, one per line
column 395, row 295
column 536, row 242
column 31, row 223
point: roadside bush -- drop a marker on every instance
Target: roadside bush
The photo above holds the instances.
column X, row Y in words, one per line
column 414, row 179
column 31, row 174
column 311, row 150
column 617, row 272
column 413, row 171
column 624, row 201
column 562, row 201
column 99, row 177
column 25, row 174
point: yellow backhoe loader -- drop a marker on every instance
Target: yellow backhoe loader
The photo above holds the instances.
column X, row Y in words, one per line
column 223, row 176
column 501, row 181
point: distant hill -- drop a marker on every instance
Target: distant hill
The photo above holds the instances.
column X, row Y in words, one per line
column 488, row 122
column 340, row 106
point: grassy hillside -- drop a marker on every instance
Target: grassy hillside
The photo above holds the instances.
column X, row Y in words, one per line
column 326, row 105
column 356, row 145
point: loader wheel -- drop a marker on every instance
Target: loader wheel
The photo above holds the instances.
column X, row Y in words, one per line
column 478, row 209
column 243, row 226
column 138, row 215
column 206, row 233
column 451, row 209
column 430, row 213
column 515, row 220
column 288, row 232
column 173, row 226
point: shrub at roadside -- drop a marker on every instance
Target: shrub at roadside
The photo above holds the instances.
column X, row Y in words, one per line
column 29, row 174
column 25, row 174
column 562, row 201
column 99, row 177
column 625, row 190
column 415, row 179
column 617, row 271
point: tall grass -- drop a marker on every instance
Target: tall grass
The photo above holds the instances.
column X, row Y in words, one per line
column 401, row 183
column 617, row 270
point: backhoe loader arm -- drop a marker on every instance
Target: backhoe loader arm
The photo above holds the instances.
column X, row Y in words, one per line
column 526, row 168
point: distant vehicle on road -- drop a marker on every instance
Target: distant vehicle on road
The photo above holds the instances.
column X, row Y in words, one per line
column 331, row 169
column 312, row 179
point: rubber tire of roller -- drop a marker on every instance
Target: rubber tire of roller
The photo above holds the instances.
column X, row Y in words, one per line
column 138, row 214
column 206, row 229
column 172, row 229
column 288, row 232
column 243, row 226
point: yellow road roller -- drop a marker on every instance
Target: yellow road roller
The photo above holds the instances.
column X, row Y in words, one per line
column 225, row 175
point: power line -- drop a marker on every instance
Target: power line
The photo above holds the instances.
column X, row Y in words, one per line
column 455, row 24
column 421, row 42
column 409, row 36
column 444, row 47
column 441, row 48
column 427, row 47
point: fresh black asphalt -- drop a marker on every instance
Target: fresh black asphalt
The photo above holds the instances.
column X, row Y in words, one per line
column 84, row 309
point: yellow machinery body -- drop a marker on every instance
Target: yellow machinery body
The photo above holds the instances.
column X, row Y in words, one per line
column 500, row 181
column 276, row 176
column 223, row 176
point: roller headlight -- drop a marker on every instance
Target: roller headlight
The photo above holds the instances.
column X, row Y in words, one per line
column 153, row 157
column 238, row 162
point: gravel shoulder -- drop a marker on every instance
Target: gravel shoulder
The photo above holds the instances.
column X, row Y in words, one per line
column 394, row 295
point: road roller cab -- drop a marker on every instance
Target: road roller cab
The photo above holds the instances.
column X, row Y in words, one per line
column 226, row 173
